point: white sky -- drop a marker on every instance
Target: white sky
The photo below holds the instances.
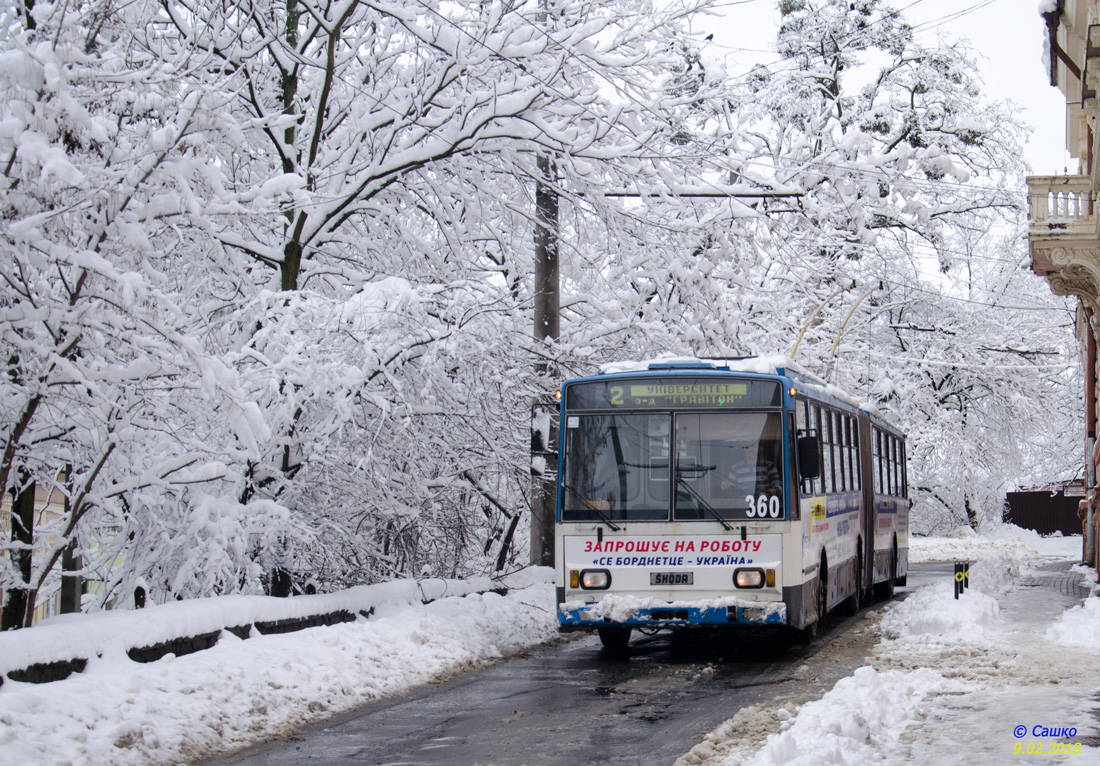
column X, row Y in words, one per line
column 1008, row 35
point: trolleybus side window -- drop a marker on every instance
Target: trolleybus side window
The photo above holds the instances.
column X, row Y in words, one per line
column 888, row 463
column 904, row 470
column 834, row 451
column 876, row 461
column 853, row 452
column 841, row 449
column 887, row 469
column 827, row 450
column 792, row 460
column 891, row 480
column 809, row 425
column 815, row 426
column 892, row 455
column 895, row 483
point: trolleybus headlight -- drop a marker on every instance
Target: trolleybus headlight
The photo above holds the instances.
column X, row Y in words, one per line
column 749, row 578
column 595, row 579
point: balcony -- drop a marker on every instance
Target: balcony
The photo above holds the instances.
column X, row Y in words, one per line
column 1063, row 234
column 1060, row 206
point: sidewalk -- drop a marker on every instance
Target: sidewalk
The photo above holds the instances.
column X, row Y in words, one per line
column 1015, row 673
column 1010, row 667
column 1057, row 576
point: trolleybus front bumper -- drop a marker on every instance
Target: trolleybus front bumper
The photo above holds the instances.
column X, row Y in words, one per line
column 675, row 616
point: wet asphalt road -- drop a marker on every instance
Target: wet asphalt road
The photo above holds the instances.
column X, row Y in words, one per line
column 573, row 703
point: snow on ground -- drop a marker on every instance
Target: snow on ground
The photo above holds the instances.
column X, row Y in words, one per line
column 964, row 544
column 239, row 692
column 948, row 682
column 951, row 680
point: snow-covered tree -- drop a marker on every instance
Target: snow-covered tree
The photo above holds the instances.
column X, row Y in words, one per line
column 903, row 228
column 365, row 221
column 100, row 366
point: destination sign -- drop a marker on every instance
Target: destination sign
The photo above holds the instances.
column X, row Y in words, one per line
column 672, row 393
column 686, row 394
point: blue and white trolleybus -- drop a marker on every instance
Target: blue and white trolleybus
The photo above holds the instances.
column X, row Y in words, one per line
column 719, row 492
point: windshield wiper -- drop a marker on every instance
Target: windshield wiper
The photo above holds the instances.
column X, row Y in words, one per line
column 588, row 508
column 681, row 482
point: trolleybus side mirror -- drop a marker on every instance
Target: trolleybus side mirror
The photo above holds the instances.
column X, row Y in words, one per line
column 809, row 457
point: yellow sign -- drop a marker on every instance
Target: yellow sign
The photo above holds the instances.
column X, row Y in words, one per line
column 817, row 511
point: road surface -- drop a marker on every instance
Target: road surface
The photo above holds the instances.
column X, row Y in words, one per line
column 573, row 703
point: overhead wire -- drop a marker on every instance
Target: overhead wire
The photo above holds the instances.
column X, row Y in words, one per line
column 601, row 119
column 614, row 125
column 937, row 184
column 645, row 107
column 954, row 16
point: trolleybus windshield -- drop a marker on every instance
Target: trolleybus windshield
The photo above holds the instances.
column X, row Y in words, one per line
column 650, row 466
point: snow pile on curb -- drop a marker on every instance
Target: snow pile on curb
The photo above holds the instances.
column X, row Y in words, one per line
column 932, row 614
column 239, row 692
column 1078, row 626
column 862, row 716
column 966, row 548
column 946, row 672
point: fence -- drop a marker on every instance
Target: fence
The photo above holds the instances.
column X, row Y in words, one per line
column 1044, row 511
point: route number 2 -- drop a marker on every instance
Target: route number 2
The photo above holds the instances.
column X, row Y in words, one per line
column 763, row 506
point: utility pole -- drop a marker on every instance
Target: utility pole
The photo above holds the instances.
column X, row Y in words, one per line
column 544, row 409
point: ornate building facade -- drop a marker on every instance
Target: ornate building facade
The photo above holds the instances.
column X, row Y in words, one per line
column 1063, row 233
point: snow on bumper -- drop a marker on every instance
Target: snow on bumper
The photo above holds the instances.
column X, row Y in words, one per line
column 631, row 610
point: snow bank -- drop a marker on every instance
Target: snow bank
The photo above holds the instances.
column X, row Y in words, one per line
column 934, row 612
column 1002, row 540
column 862, row 716
column 84, row 636
column 240, row 692
column 1078, row 626
column 946, row 672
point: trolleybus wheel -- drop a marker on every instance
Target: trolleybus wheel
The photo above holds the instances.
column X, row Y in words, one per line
column 821, row 605
column 823, row 594
column 807, row 634
column 614, row 638
column 885, row 590
column 855, row 601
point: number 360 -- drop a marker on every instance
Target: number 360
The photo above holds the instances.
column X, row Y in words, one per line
column 763, row 506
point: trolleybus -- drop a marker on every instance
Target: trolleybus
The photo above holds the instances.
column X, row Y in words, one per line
column 699, row 492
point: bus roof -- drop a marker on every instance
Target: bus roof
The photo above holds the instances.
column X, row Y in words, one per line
column 775, row 364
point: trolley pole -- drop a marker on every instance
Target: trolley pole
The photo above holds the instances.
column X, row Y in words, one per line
column 544, row 409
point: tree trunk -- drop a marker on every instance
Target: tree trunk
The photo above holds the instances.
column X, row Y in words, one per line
column 72, row 583
column 17, row 613
column 971, row 514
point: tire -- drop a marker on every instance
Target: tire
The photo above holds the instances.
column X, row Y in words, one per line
column 808, row 634
column 615, row 638
column 885, row 590
column 855, row 602
column 823, row 595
